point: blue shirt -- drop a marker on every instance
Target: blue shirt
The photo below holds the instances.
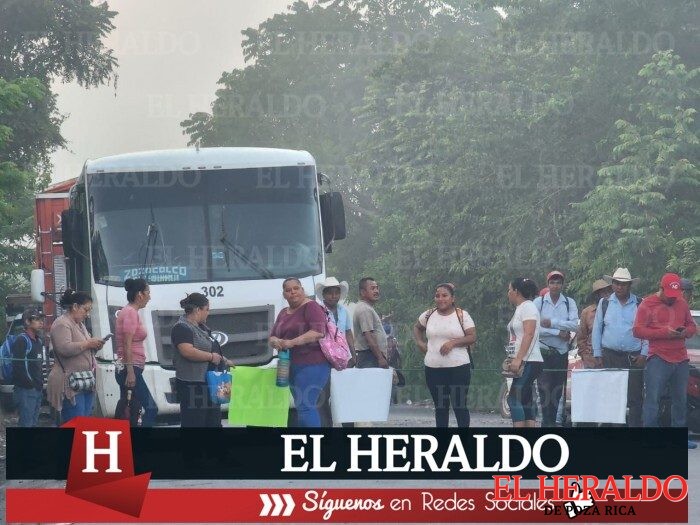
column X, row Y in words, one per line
column 617, row 335
column 560, row 319
column 343, row 321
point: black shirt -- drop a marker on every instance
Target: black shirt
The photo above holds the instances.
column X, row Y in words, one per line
column 27, row 366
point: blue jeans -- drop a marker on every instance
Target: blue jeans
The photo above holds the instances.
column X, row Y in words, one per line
column 521, row 400
column 659, row 374
column 28, row 401
column 306, row 382
column 84, row 402
column 142, row 394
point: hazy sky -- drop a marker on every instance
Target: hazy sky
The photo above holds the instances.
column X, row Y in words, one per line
column 171, row 53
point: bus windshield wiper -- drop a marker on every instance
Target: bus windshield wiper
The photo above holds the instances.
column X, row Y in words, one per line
column 264, row 272
column 149, row 245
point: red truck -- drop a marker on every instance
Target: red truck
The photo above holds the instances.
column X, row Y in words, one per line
column 49, row 257
column 49, row 245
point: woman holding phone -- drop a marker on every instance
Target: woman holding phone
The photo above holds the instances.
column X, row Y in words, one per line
column 131, row 354
column 73, row 350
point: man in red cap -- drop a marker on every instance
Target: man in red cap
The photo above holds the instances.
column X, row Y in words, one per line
column 664, row 320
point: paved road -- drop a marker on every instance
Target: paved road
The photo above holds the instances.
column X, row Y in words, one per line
column 400, row 416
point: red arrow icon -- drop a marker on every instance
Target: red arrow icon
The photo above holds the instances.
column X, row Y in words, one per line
column 101, row 468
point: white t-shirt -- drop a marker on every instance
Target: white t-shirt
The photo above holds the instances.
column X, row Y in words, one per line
column 526, row 311
column 440, row 329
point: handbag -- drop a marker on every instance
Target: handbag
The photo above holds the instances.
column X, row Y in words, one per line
column 506, row 370
column 512, row 351
column 129, row 408
column 334, row 345
column 219, row 386
column 82, row 381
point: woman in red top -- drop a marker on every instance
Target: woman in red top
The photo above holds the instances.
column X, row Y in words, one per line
column 130, row 350
column 299, row 327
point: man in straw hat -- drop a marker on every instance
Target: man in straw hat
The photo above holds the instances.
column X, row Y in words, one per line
column 600, row 289
column 664, row 320
column 330, row 293
column 614, row 344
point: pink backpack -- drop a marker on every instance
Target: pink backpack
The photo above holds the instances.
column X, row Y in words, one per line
column 334, row 345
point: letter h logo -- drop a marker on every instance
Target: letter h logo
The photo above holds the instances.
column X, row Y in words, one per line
column 91, row 451
column 102, row 463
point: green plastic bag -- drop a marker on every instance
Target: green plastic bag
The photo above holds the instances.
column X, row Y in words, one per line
column 255, row 399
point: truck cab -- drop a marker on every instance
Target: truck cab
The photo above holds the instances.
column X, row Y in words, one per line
column 230, row 223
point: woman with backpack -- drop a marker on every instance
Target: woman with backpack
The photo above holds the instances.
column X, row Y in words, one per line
column 298, row 328
column 444, row 334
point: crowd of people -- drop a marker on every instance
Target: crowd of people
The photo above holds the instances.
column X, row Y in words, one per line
column 618, row 330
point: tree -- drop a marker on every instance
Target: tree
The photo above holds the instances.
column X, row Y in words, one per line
column 484, row 143
column 644, row 214
column 40, row 42
column 466, row 151
column 307, row 72
column 16, row 191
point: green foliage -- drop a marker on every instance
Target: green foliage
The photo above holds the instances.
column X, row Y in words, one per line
column 60, row 39
column 645, row 212
column 471, row 156
column 41, row 42
column 16, row 192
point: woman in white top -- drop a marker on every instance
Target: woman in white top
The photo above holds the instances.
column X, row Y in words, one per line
column 449, row 331
column 524, row 329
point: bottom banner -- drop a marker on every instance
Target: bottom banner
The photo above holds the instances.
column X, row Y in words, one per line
column 320, row 505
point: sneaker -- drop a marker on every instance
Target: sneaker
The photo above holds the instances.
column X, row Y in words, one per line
column 692, row 445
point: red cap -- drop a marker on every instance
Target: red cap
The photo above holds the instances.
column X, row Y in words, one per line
column 555, row 273
column 671, row 285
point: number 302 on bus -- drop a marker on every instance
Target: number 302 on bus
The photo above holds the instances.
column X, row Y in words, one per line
column 213, row 291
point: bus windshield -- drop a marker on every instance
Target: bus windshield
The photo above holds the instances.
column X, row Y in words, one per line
column 201, row 226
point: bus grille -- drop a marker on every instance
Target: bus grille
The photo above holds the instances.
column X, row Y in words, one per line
column 245, row 332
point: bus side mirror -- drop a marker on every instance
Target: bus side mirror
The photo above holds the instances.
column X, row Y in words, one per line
column 37, row 285
column 70, row 224
column 332, row 218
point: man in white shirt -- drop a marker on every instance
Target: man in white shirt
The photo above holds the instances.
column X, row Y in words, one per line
column 558, row 318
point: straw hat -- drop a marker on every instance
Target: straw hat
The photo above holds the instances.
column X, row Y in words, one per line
column 331, row 282
column 622, row 275
column 600, row 284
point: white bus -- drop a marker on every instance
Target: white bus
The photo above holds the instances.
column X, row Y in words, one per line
column 230, row 223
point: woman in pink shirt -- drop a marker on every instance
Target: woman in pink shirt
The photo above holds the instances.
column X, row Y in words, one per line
column 130, row 350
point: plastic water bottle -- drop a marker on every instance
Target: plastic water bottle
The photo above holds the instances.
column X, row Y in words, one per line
column 283, row 368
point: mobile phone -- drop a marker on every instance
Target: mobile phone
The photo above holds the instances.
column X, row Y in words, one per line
column 680, row 328
column 107, row 338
